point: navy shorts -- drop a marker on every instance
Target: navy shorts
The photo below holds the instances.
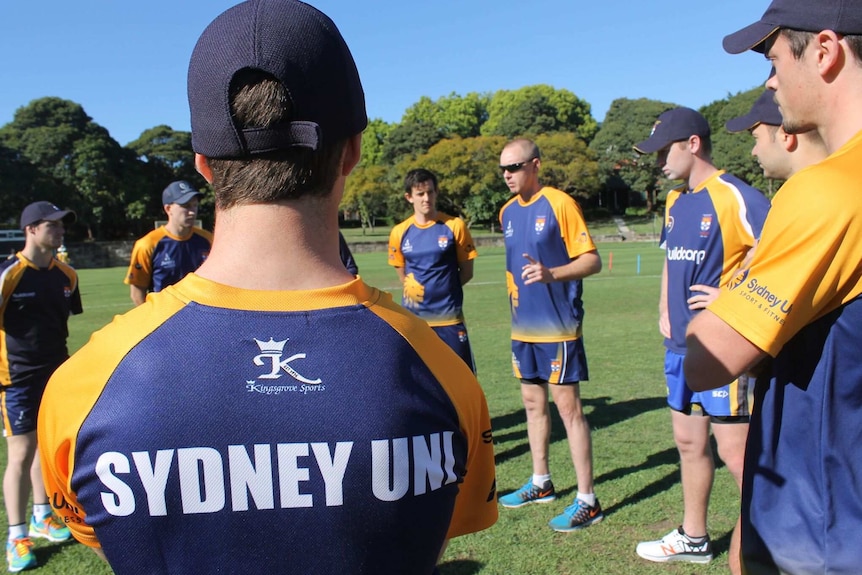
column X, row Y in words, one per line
column 559, row 362
column 19, row 403
column 455, row 337
column 727, row 401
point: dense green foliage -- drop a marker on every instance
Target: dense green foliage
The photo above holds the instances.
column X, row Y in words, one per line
column 53, row 150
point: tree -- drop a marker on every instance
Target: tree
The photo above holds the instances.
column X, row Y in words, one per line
column 366, row 192
column 569, row 165
column 732, row 152
column 622, row 169
column 539, row 109
column 60, row 140
column 470, row 182
column 373, row 141
column 451, row 115
column 408, row 140
column 164, row 155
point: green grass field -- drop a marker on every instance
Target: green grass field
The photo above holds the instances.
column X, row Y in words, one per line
column 636, row 463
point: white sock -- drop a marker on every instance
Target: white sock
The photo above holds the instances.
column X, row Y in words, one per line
column 41, row 510
column 17, row 531
column 539, row 480
column 588, row 498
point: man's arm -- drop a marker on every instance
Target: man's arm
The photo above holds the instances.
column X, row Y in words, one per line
column 716, row 354
column 465, row 271
column 584, row 265
column 663, row 315
column 138, row 294
column 401, row 274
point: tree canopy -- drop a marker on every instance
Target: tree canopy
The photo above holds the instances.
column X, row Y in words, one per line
column 53, row 150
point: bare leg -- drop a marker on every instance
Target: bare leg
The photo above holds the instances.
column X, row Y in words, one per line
column 568, row 401
column 731, row 438
column 691, row 433
column 17, row 478
column 535, row 398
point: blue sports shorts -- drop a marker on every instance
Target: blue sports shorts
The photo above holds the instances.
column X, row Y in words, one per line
column 728, row 401
column 563, row 362
column 455, row 337
column 19, row 402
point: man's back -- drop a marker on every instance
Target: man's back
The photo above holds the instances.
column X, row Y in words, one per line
column 269, row 455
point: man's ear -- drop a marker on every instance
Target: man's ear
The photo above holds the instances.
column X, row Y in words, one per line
column 829, row 52
column 203, row 168
column 352, row 154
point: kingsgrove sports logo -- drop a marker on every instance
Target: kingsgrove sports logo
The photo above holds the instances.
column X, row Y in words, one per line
column 271, row 357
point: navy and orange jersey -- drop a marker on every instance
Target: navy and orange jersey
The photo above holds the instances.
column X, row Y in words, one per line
column 800, row 301
column 281, row 416
column 706, row 234
column 431, row 255
column 35, row 304
column 551, row 229
column 160, row 259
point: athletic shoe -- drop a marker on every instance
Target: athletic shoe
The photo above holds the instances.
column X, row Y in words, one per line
column 49, row 528
column 529, row 493
column 676, row 546
column 19, row 554
column 577, row 516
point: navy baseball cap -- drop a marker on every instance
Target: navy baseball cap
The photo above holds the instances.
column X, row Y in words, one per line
column 674, row 126
column 763, row 111
column 45, row 211
column 301, row 48
column 841, row 16
column 179, row 192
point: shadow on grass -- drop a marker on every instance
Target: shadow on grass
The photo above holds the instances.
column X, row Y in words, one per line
column 45, row 553
column 600, row 413
column 460, row 567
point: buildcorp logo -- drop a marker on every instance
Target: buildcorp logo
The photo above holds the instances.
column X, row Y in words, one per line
column 680, row 253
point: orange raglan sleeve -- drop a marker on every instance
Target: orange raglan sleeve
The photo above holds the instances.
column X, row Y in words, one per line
column 476, row 504
column 71, row 395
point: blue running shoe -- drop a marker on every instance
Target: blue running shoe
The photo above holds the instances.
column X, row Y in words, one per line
column 49, row 528
column 529, row 493
column 19, row 554
column 577, row 516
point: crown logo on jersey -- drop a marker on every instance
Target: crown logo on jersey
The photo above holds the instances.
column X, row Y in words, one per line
column 270, row 346
column 442, row 242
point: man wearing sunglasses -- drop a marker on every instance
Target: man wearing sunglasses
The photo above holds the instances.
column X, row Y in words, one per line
column 711, row 221
column 548, row 252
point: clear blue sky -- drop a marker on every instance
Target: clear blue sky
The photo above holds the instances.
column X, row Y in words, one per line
column 125, row 61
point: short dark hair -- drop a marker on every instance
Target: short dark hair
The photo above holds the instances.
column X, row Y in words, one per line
column 258, row 100
column 419, row 176
column 799, row 40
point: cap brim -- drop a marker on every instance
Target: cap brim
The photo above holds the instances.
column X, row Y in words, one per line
column 749, row 38
column 68, row 217
column 185, row 198
column 741, row 124
column 649, row 146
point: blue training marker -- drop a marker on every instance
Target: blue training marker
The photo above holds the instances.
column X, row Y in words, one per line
column 639, row 264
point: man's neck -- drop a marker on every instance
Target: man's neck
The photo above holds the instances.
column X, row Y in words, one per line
column 701, row 171
column 177, row 229
column 287, row 246
column 422, row 219
column 527, row 194
column 40, row 256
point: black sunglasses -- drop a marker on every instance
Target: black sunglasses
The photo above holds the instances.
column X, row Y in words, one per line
column 512, row 168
